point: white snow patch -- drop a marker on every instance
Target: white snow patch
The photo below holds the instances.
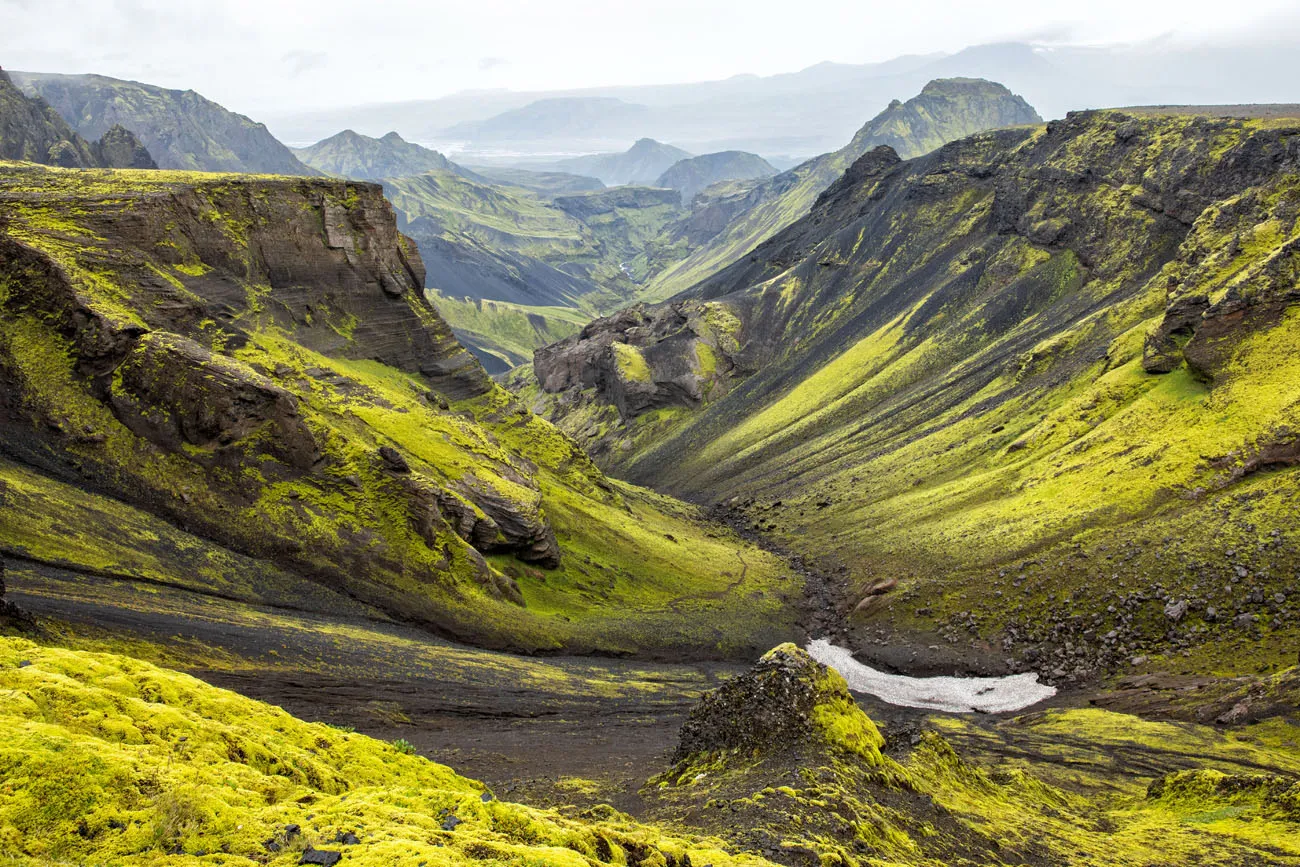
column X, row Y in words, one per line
column 950, row 694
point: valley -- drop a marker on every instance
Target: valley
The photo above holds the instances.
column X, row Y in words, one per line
column 677, row 492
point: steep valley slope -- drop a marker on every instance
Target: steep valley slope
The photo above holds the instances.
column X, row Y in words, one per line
column 235, row 384
column 1035, row 394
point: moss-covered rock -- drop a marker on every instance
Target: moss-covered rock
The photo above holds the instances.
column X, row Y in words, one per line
column 788, row 701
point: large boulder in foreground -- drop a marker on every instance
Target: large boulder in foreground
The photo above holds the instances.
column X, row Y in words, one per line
column 787, row 702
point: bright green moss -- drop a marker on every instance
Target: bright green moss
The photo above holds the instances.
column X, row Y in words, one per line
column 631, row 364
column 109, row 760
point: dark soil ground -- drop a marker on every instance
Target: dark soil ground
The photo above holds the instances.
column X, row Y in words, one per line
column 548, row 731
column 544, row 730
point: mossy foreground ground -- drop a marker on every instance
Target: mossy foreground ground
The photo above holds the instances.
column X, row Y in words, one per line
column 107, row 760
column 110, row 760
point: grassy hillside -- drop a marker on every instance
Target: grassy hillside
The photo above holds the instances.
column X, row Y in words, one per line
column 503, row 335
column 253, row 362
column 1040, row 382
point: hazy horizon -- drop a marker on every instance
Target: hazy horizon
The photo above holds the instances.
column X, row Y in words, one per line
column 295, row 56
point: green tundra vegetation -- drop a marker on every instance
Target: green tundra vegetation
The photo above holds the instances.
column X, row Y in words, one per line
column 110, row 760
column 1044, row 378
column 1027, row 401
column 252, row 361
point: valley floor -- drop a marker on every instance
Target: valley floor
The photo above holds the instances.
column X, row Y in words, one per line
column 574, row 731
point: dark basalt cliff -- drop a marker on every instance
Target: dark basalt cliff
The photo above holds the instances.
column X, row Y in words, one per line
column 988, row 367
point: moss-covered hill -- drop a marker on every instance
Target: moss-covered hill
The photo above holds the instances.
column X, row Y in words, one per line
column 782, row 761
column 252, row 360
column 349, row 154
column 944, row 110
column 1044, row 379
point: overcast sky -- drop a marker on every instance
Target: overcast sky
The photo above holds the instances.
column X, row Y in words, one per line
column 279, row 55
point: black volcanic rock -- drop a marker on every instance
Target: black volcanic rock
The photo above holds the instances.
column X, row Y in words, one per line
column 120, row 149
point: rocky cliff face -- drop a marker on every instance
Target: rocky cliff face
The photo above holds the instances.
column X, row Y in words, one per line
column 181, row 129
column 254, row 361
column 1029, row 361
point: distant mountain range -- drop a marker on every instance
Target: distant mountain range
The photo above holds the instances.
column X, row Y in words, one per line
column 352, row 155
column 817, row 109
column 727, row 227
column 642, row 163
column 180, row 128
column 691, row 176
column 32, row 131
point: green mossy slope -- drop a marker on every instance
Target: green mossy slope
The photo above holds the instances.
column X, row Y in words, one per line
column 1044, row 378
column 252, row 359
column 782, row 761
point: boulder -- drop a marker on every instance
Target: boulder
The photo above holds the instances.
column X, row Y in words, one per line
column 787, row 702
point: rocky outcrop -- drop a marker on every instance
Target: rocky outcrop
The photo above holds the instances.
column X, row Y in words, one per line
column 177, row 394
column 787, row 702
column 118, row 148
column 642, row 359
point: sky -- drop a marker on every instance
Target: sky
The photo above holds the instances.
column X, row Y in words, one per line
column 287, row 55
